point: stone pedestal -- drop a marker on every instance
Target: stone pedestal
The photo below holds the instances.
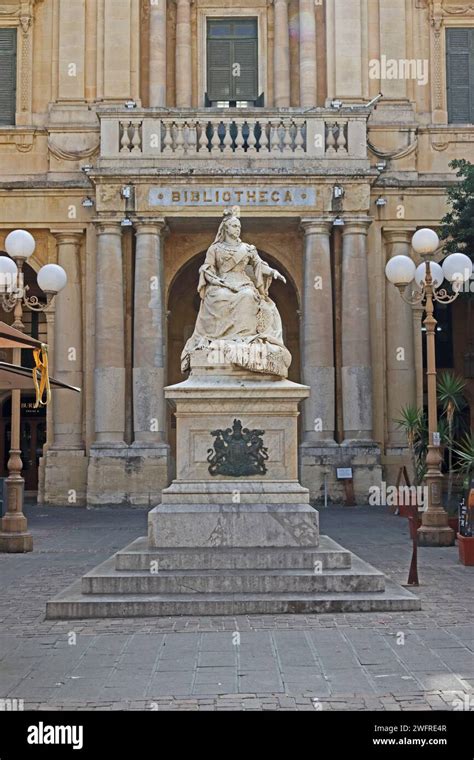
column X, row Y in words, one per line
column 65, row 477
column 224, row 544
column 127, row 475
column 270, row 509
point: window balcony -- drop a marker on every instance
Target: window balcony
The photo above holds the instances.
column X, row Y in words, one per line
column 158, row 137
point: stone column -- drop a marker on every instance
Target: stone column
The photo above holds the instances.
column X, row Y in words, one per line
column 149, row 365
column 356, row 352
column 281, row 55
column 150, row 448
column 68, row 345
column 307, row 53
column 317, row 338
column 109, row 339
column 400, row 375
column 183, row 54
column 65, row 465
column 157, row 60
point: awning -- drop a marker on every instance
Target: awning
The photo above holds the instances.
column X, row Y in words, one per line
column 12, row 338
column 14, row 377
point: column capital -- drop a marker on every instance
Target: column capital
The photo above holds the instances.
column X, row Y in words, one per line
column 108, row 227
column 315, row 225
column 398, row 234
column 151, row 227
column 68, row 237
column 356, row 226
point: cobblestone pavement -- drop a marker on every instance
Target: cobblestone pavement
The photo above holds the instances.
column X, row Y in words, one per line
column 383, row 661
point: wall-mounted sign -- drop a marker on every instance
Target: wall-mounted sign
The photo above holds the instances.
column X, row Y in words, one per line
column 196, row 195
column 344, row 473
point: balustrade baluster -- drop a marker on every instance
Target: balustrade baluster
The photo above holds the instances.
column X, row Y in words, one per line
column 287, row 137
column 239, row 140
column 215, row 140
column 330, row 140
column 203, row 140
column 136, row 137
column 179, row 145
column 228, row 142
column 299, row 139
column 275, row 138
column 251, row 139
column 125, row 139
column 341, row 140
column 168, row 138
column 264, row 137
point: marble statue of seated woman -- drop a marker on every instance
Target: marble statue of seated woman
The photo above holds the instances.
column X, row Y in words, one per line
column 238, row 323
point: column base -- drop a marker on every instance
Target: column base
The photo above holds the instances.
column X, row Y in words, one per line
column 16, row 543
column 130, row 475
column 319, row 464
column 396, row 457
column 435, row 536
column 65, row 477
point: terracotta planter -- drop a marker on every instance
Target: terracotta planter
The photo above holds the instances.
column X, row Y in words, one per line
column 466, row 550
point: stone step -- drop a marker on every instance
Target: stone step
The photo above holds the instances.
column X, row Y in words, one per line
column 105, row 579
column 221, row 492
column 139, row 556
column 73, row 605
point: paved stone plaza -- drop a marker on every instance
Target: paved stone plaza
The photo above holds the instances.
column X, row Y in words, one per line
column 385, row 661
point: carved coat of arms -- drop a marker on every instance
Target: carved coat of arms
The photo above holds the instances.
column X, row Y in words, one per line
column 237, row 452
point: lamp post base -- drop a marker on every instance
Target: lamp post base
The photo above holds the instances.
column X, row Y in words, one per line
column 16, row 543
column 435, row 536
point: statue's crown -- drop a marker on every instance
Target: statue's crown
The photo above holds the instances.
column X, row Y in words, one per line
column 232, row 211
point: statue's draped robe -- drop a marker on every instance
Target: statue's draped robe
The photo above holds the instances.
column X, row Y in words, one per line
column 240, row 321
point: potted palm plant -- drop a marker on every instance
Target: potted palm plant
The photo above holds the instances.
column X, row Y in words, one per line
column 413, row 422
column 451, row 398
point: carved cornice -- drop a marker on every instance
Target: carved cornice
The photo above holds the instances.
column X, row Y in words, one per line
column 459, row 10
column 440, row 9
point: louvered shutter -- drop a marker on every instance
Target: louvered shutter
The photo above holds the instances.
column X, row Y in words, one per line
column 7, row 76
column 219, row 70
column 460, row 75
column 245, row 86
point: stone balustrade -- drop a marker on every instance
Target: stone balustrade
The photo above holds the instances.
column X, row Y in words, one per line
column 292, row 134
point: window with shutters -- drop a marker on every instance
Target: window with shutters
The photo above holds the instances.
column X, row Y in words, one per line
column 232, row 62
column 460, row 75
column 7, row 76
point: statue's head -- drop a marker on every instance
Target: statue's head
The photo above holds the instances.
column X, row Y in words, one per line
column 230, row 227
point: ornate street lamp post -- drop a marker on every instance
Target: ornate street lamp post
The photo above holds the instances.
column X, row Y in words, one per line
column 401, row 271
column 20, row 245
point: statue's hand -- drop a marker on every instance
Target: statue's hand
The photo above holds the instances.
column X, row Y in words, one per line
column 278, row 276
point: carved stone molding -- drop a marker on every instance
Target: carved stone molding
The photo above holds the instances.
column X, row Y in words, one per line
column 65, row 154
column 458, row 10
column 22, row 138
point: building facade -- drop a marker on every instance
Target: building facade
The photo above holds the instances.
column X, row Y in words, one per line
column 126, row 128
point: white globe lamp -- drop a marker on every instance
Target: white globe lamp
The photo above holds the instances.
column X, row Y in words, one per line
column 436, row 274
column 457, row 268
column 8, row 274
column 425, row 242
column 52, row 279
column 20, row 245
column 400, row 270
